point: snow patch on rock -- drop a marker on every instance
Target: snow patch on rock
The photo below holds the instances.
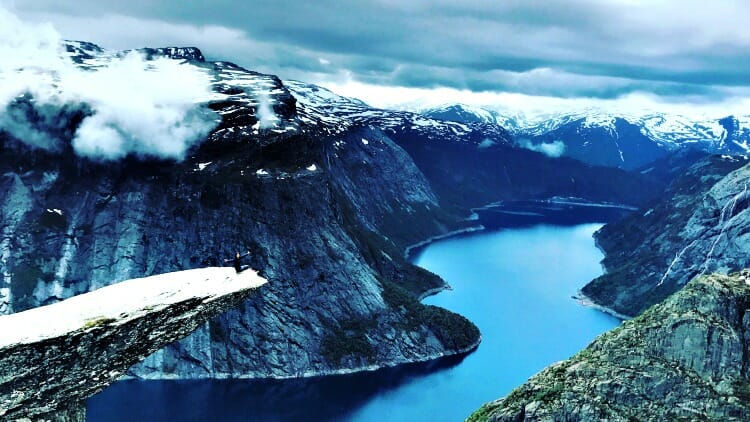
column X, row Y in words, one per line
column 123, row 302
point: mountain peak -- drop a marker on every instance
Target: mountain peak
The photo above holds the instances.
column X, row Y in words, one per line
column 460, row 113
column 84, row 50
column 185, row 53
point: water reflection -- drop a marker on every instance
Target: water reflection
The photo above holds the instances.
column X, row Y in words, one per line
column 312, row 399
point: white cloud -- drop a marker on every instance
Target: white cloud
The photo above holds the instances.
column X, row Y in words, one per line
column 531, row 54
column 535, row 106
column 266, row 117
column 121, row 32
column 610, row 43
column 552, row 149
column 132, row 106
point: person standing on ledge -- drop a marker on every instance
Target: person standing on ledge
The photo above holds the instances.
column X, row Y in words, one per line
column 237, row 261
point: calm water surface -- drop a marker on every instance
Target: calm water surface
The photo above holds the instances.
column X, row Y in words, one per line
column 514, row 281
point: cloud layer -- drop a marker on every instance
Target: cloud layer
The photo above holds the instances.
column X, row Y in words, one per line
column 128, row 105
column 687, row 50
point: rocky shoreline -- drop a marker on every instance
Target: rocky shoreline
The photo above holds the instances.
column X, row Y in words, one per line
column 349, row 371
column 410, row 248
column 584, row 300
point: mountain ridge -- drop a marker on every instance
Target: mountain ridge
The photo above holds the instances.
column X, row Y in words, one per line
column 698, row 226
column 633, row 139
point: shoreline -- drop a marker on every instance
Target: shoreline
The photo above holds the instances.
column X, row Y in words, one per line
column 314, row 374
column 586, row 301
column 580, row 297
column 473, row 216
column 580, row 202
column 431, row 239
column 604, row 253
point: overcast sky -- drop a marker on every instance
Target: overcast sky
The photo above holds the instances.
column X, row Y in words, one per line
column 682, row 53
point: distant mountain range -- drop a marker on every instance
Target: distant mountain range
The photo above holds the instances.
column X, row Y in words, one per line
column 622, row 140
column 318, row 106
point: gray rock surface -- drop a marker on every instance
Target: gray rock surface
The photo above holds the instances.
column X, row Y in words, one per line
column 684, row 359
column 701, row 225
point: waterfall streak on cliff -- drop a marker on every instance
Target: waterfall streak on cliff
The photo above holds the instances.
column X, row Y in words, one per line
column 727, row 214
column 69, row 247
column 674, row 261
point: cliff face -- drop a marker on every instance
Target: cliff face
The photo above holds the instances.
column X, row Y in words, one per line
column 686, row 358
column 700, row 226
column 54, row 357
column 76, row 228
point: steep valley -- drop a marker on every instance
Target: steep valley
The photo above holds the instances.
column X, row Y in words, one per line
column 326, row 203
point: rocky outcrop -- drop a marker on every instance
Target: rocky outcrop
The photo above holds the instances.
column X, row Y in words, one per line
column 684, row 359
column 54, row 357
column 178, row 53
column 321, row 212
column 699, row 226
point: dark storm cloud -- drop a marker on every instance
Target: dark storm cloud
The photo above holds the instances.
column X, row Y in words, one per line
column 557, row 48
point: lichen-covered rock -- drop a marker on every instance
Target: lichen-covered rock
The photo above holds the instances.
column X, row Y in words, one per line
column 686, row 358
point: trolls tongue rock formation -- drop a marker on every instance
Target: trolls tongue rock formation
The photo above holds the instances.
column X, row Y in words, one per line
column 53, row 357
column 312, row 204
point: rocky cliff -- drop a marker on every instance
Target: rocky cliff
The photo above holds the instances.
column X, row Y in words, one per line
column 609, row 137
column 684, row 359
column 324, row 191
column 322, row 212
column 54, row 357
column 699, row 226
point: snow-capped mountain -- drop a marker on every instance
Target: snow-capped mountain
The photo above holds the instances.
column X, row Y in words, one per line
column 508, row 119
column 669, row 130
column 462, row 113
column 283, row 178
column 319, row 106
column 244, row 102
column 617, row 139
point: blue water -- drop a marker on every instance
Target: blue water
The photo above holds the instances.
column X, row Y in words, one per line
column 514, row 281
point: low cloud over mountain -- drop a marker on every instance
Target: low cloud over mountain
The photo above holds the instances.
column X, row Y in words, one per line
column 125, row 103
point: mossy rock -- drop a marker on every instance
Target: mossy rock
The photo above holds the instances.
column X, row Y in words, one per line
column 96, row 322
